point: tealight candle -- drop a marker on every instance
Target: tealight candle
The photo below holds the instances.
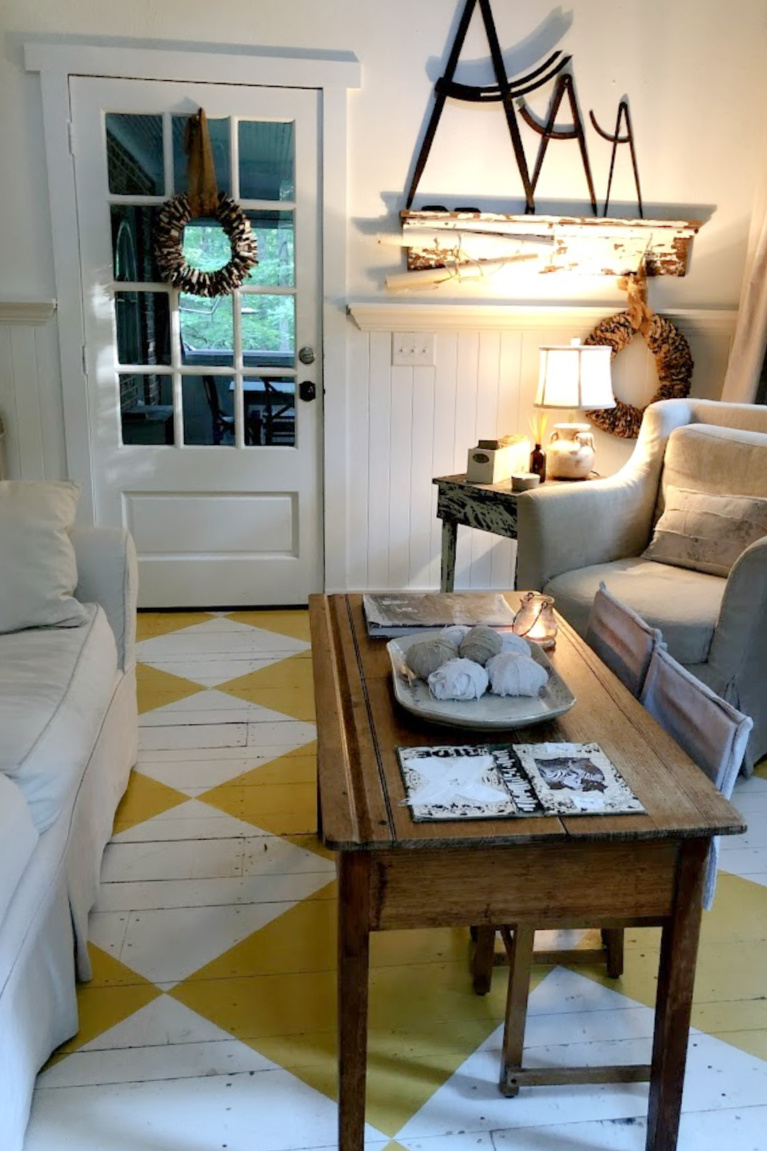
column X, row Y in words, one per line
column 523, row 481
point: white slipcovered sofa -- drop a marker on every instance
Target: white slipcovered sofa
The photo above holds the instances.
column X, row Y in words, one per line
column 713, row 617
column 68, row 739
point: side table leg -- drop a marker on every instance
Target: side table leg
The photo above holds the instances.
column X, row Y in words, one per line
column 353, row 968
column 447, row 571
column 676, row 979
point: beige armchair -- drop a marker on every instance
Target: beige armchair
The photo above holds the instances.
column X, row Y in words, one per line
column 572, row 536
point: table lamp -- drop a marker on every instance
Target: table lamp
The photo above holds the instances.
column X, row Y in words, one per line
column 573, row 377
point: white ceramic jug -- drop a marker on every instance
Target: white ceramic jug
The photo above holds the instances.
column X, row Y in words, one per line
column 570, row 453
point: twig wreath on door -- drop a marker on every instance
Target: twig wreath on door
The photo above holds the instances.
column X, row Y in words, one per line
column 673, row 359
column 203, row 200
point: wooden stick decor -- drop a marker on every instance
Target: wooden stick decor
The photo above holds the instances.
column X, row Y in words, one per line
column 203, row 201
column 673, row 359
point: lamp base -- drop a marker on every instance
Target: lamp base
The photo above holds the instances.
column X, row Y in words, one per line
column 570, row 453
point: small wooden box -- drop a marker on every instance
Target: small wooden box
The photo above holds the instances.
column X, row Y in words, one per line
column 493, row 461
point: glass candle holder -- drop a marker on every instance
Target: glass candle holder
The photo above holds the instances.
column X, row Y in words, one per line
column 535, row 619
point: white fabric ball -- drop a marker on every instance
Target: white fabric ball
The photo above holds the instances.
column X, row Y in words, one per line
column 512, row 674
column 458, row 679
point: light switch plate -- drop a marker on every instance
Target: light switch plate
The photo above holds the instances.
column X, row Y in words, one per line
column 412, row 349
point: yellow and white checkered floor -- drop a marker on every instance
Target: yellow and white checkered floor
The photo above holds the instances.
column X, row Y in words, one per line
column 210, row 1021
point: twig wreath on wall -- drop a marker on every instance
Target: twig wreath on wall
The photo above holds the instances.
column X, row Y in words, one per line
column 673, row 360
column 203, row 200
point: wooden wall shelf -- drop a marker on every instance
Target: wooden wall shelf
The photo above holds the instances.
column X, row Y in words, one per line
column 586, row 245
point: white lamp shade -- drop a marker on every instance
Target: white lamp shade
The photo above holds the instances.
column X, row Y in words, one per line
column 574, row 376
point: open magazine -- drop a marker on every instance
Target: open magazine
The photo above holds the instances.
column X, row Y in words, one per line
column 496, row 781
column 390, row 614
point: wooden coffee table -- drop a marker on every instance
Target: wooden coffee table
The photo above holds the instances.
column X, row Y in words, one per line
column 546, row 872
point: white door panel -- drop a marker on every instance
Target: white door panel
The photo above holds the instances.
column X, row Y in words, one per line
column 200, row 443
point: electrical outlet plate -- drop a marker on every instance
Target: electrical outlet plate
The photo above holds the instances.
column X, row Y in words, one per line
column 412, row 349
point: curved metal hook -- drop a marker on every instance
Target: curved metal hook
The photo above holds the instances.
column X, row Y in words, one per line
column 616, row 139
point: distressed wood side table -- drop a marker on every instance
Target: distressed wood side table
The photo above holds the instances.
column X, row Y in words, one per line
column 546, row 872
column 489, row 507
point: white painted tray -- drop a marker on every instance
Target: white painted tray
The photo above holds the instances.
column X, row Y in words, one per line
column 491, row 712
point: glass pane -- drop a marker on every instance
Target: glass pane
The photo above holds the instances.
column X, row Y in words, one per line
column 207, row 336
column 134, row 155
column 266, row 161
column 143, row 327
column 133, row 243
column 206, row 245
column 268, row 331
column 270, row 411
column 146, row 404
column 219, row 143
column 208, row 403
column 276, row 261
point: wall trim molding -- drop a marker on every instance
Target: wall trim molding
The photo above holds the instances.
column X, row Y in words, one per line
column 26, row 311
column 416, row 317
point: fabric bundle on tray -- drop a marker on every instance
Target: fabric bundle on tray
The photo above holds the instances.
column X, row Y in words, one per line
column 513, row 674
column 460, row 679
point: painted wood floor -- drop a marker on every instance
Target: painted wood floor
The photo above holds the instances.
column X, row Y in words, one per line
column 210, row 1019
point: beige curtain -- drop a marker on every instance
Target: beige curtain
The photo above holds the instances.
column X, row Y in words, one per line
column 748, row 349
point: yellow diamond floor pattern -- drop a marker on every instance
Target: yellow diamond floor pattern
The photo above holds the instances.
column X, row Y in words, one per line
column 275, row 989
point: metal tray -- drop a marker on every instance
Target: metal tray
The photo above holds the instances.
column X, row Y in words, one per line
column 491, row 712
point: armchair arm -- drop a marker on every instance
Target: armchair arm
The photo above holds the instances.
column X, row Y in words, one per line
column 575, row 525
column 107, row 574
column 738, row 650
column 569, row 526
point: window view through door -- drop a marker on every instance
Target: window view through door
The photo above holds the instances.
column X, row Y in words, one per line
column 205, row 442
column 185, row 360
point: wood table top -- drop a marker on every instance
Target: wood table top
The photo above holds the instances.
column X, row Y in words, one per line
column 360, row 725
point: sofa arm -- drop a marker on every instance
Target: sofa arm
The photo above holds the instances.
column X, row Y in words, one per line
column 574, row 525
column 107, row 574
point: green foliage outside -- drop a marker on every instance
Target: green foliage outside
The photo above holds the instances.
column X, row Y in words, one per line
column 268, row 322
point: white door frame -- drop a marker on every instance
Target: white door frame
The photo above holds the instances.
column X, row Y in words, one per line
column 333, row 77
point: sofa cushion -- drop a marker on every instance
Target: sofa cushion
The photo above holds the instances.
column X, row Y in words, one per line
column 706, row 532
column 683, row 604
column 38, row 570
column 55, row 687
column 722, row 461
column 18, row 840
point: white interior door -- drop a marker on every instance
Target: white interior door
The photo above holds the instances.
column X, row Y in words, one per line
column 200, row 442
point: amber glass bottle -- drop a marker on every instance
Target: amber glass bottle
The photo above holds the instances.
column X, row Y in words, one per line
column 538, row 462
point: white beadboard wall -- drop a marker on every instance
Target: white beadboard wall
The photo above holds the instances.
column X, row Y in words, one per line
column 30, row 392
column 408, row 425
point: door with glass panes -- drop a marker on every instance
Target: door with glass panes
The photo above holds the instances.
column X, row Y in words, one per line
column 204, row 422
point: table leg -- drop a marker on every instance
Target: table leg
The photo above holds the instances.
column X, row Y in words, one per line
column 520, row 950
column 482, row 959
column 676, row 979
column 447, row 571
column 353, row 965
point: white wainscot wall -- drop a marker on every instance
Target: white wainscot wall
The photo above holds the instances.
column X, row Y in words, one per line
column 408, row 425
column 30, row 392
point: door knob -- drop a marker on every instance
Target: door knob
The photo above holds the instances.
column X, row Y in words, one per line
column 306, row 355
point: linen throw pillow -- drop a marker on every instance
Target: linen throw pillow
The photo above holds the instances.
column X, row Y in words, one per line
column 38, row 570
column 706, row 532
